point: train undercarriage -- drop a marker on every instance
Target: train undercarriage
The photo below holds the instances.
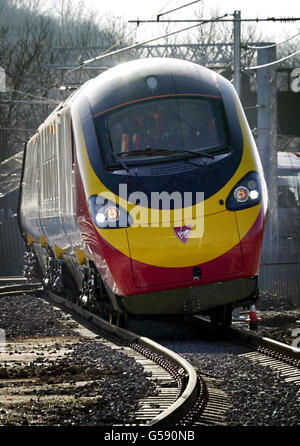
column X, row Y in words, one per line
column 84, row 286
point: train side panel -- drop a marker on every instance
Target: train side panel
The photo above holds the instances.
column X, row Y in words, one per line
column 29, row 209
column 48, row 199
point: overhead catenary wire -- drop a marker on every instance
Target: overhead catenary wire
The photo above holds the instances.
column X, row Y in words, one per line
column 257, row 20
column 30, row 94
column 29, row 102
column 176, row 9
column 132, row 31
column 257, row 67
column 136, row 45
column 125, row 37
column 263, row 47
column 21, row 129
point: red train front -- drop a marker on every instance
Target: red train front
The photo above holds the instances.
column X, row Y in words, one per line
column 154, row 186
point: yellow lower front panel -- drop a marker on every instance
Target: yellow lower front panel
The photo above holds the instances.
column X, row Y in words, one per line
column 209, row 238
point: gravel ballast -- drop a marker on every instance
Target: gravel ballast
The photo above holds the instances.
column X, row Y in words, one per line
column 104, row 385
column 71, row 380
column 258, row 395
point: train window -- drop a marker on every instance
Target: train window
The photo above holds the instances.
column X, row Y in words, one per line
column 164, row 128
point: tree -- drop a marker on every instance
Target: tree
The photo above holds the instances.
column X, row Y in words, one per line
column 29, row 31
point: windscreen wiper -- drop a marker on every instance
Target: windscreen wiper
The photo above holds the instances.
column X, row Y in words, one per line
column 151, row 151
column 146, row 151
column 205, row 151
column 222, row 150
column 202, row 153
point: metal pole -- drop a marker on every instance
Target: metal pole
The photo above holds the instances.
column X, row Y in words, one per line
column 267, row 140
column 2, row 81
column 237, row 52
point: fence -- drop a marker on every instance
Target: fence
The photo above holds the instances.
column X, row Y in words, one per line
column 11, row 248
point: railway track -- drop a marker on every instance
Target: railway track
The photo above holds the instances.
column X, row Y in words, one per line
column 252, row 340
column 280, row 360
column 181, row 394
column 281, row 357
column 23, row 362
column 182, row 398
column 18, row 287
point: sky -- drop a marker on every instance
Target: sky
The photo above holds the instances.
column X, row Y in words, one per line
column 141, row 9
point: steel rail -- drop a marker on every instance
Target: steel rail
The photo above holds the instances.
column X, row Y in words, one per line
column 187, row 374
column 259, row 342
column 192, row 398
column 15, row 289
column 252, row 339
column 180, row 409
column 187, row 399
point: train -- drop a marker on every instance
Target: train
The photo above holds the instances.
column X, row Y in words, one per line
column 144, row 191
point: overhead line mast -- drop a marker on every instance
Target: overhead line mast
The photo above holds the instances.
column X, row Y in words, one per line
column 237, row 36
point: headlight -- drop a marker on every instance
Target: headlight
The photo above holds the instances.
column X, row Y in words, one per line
column 241, row 194
column 107, row 214
column 246, row 193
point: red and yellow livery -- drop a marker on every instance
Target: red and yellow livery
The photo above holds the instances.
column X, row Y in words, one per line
column 150, row 191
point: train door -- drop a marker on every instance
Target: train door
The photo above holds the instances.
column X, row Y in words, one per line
column 60, row 238
column 45, row 163
column 66, row 180
column 29, row 209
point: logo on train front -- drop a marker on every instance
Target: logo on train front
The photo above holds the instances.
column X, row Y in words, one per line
column 183, row 232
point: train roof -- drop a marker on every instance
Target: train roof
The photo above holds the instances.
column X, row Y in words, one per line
column 126, row 82
column 129, row 82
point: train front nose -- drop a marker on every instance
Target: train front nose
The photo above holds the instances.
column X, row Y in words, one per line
column 184, row 252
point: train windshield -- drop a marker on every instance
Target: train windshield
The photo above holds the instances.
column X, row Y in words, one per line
column 165, row 128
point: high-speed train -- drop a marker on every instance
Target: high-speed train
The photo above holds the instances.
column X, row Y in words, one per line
column 145, row 188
